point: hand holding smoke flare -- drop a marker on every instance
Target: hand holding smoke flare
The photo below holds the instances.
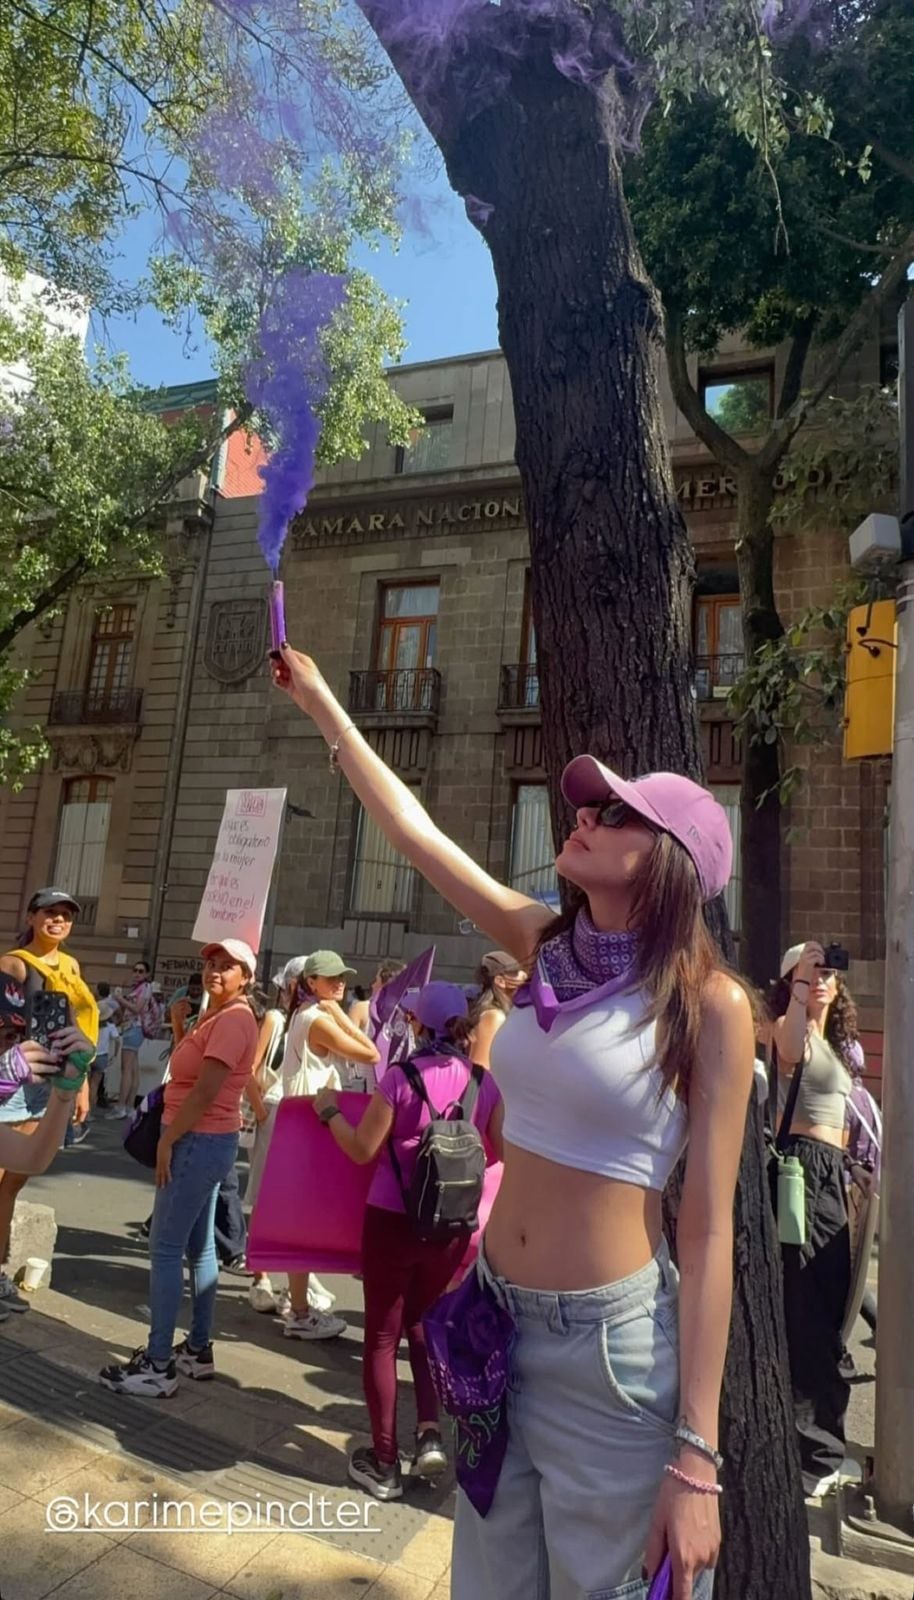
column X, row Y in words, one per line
column 286, row 384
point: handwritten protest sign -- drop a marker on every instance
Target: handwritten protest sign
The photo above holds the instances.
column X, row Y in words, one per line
column 235, row 898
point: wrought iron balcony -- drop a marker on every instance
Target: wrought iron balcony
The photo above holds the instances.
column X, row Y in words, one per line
column 76, row 708
column 519, row 691
column 413, row 694
column 716, row 675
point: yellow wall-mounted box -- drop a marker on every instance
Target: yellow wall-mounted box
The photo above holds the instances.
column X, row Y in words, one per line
column 869, row 701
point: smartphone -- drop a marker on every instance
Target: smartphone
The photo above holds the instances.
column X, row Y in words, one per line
column 49, row 1013
column 662, row 1586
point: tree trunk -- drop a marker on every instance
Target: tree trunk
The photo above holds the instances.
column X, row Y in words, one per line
column 612, row 568
column 761, row 818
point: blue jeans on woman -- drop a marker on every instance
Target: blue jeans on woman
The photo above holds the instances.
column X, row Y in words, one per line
column 182, row 1224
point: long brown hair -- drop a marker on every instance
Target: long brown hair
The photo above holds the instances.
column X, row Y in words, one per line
column 677, row 955
column 841, row 1023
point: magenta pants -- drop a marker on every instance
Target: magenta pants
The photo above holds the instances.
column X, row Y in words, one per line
column 402, row 1276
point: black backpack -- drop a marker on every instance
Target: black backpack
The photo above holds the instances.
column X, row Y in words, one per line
column 442, row 1201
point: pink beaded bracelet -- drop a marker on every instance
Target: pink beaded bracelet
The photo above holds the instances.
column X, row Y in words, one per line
column 697, row 1484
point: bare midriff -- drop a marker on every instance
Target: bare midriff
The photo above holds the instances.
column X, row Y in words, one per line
column 816, row 1130
column 553, row 1227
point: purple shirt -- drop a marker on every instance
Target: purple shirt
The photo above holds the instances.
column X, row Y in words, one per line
column 445, row 1079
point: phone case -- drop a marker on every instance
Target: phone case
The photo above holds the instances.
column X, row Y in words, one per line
column 662, row 1586
column 48, row 1013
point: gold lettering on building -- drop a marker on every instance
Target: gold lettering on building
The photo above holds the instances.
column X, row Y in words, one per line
column 430, row 516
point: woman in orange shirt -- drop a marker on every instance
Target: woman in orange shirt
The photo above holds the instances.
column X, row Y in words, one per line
column 210, row 1069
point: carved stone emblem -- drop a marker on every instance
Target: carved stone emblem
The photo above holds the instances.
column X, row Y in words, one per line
column 236, row 639
column 79, row 752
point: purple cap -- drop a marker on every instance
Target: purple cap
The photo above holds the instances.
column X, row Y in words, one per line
column 437, row 1004
column 667, row 801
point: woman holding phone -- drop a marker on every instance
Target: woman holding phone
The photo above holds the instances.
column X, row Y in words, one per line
column 41, row 965
column 630, row 1045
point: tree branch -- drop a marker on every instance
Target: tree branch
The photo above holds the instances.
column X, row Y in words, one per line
column 887, row 251
column 860, row 324
column 792, row 386
column 723, row 447
column 888, row 157
column 43, row 602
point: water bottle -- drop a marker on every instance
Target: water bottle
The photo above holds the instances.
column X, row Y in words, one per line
column 791, row 1201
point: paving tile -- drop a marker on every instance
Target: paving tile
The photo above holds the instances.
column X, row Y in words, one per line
column 428, row 1553
column 210, row 1555
column 34, row 1561
column 298, row 1567
column 33, row 1456
column 395, row 1584
column 116, row 1481
column 123, row 1571
column 319, row 1455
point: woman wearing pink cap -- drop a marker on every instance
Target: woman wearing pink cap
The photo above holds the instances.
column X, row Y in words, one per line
column 630, row 1045
column 208, row 1074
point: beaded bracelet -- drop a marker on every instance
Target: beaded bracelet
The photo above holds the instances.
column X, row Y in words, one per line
column 696, row 1484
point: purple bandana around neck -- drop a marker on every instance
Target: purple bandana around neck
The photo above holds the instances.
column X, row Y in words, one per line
column 578, row 967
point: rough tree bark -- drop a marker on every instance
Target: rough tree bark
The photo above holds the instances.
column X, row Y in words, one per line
column 532, row 153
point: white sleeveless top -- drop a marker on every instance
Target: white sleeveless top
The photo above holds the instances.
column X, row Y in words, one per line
column 588, row 1093
column 303, row 1072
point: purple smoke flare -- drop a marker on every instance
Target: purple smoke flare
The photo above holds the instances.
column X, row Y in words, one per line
column 479, row 211
column 287, row 383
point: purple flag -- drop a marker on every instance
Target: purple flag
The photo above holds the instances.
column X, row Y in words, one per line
column 387, row 1024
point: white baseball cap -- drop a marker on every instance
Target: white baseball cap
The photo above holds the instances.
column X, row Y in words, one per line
column 238, row 950
column 790, row 958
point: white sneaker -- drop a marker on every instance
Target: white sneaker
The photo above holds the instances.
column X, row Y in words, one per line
column 261, row 1297
column 319, row 1296
column 316, row 1325
column 284, row 1304
column 118, row 1114
column 139, row 1376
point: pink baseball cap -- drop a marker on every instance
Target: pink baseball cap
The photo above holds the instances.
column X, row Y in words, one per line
column 237, row 949
column 667, row 801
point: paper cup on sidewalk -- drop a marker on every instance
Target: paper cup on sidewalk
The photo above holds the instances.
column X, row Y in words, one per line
column 35, row 1270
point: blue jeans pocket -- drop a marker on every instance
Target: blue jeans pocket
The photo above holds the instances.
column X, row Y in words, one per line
column 637, row 1590
column 640, row 1358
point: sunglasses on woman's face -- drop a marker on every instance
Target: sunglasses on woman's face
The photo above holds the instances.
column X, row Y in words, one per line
column 616, row 814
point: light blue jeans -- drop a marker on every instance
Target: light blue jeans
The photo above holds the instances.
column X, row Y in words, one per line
column 182, row 1224
column 592, row 1408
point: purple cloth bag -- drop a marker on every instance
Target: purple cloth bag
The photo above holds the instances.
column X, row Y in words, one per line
column 469, row 1338
column 14, row 1070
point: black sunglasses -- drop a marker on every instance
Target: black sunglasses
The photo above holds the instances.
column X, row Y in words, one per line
column 616, row 814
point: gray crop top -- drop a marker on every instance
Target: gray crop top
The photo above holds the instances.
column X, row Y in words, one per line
column 824, row 1088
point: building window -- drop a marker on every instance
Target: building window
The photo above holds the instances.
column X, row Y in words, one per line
column 532, row 849
column 408, row 636
column 728, row 794
column 742, row 402
column 382, row 879
column 82, row 837
column 111, row 660
column 430, row 446
column 718, row 644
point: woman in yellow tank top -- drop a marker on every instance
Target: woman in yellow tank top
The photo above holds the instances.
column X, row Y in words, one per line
column 40, row 963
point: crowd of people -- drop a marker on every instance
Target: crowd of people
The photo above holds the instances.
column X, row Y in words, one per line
column 597, row 1051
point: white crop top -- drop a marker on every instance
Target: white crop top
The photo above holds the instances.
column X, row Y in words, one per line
column 588, row 1093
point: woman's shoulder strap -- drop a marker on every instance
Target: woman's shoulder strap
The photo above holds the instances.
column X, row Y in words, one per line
column 31, row 960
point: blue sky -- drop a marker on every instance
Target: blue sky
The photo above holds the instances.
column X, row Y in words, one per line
column 442, row 270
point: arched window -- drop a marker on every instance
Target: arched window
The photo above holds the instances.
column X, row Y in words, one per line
column 84, row 818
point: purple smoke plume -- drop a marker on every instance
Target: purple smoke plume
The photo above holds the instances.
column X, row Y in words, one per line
column 286, row 383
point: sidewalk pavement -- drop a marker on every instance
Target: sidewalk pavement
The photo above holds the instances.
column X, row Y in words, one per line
column 262, row 1448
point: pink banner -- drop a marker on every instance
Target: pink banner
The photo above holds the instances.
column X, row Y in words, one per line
column 308, row 1216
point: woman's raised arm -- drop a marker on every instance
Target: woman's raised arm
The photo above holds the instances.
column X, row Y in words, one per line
column 513, row 920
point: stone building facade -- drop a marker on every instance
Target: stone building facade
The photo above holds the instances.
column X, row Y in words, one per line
column 407, row 579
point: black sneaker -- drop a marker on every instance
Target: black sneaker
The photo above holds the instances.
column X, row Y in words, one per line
column 847, row 1367
column 385, row 1483
column 140, row 1376
column 430, row 1459
column 198, row 1364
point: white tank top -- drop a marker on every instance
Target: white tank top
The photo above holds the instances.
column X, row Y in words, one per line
column 588, row 1094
